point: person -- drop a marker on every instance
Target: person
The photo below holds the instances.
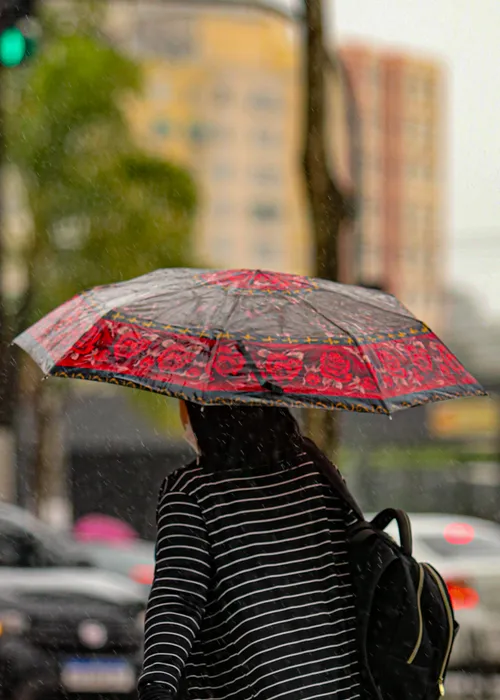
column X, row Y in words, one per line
column 252, row 594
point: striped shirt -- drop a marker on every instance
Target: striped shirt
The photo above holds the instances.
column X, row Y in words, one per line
column 252, row 595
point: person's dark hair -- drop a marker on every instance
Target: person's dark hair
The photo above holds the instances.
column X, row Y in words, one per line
column 234, row 436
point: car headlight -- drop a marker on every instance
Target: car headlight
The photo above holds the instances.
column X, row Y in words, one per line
column 13, row 622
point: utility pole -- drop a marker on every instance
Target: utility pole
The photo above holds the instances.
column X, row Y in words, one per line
column 14, row 48
column 329, row 206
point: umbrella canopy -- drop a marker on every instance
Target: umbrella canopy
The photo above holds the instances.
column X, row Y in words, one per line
column 250, row 336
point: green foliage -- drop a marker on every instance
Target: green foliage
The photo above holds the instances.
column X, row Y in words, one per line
column 102, row 210
column 162, row 412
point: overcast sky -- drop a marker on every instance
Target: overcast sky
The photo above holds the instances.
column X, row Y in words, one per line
column 465, row 36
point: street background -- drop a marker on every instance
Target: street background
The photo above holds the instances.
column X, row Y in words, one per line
column 205, row 99
column 152, row 134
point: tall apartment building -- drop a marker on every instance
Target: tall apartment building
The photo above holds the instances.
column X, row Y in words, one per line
column 222, row 96
column 400, row 103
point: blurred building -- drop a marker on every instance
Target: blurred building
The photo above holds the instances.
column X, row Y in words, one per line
column 223, row 97
column 402, row 233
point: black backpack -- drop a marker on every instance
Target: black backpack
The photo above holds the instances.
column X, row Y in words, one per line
column 405, row 621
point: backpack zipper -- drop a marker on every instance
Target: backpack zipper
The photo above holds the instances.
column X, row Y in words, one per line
column 420, row 619
column 449, row 614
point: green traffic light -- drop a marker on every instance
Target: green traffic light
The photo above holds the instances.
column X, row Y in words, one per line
column 12, row 47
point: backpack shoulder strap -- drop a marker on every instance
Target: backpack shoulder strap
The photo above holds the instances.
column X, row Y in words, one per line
column 333, row 475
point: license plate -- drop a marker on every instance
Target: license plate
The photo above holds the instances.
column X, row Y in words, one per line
column 98, row 676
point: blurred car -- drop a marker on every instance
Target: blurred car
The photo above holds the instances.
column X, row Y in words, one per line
column 134, row 559
column 75, row 627
column 58, row 641
column 31, row 551
column 466, row 552
column 26, row 542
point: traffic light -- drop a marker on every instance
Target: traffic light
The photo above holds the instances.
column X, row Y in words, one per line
column 16, row 41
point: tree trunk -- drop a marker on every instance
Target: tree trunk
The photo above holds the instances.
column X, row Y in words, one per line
column 328, row 206
column 51, row 492
column 7, row 402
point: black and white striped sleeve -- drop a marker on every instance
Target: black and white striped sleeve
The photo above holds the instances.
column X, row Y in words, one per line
column 178, row 595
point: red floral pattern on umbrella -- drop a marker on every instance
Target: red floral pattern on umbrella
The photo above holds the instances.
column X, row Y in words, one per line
column 250, row 336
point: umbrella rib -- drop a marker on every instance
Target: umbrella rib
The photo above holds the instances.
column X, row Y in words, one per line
column 217, row 341
column 148, row 295
column 355, row 340
column 408, row 315
column 82, row 297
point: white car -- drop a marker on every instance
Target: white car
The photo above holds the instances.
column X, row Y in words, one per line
column 466, row 552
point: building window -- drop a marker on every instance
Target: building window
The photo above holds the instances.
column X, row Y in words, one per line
column 198, row 132
column 429, row 218
column 409, row 216
column 165, row 36
column 415, row 220
column 161, row 128
column 158, row 89
column 429, row 88
column 221, row 209
column 419, row 171
column 265, row 211
column 410, row 254
column 221, row 248
column 220, row 132
column 266, row 137
column 420, row 132
column 413, row 85
column 374, row 75
column 266, row 175
column 370, row 208
column 420, row 86
column 265, row 101
column 376, row 119
column 374, row 162
column 412, row 130
column 266, row 252
column 192, row 94
column 221, row 94
column 221, row 171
